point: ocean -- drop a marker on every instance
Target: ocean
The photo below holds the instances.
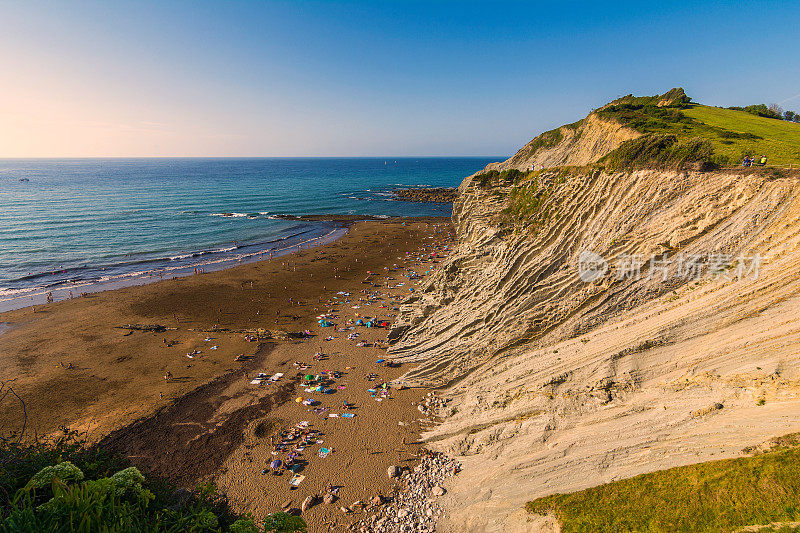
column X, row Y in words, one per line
column 94, row 224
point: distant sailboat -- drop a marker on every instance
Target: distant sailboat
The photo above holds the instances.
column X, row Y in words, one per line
column 24, row 179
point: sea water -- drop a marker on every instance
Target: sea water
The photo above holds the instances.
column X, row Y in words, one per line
column 91, row 224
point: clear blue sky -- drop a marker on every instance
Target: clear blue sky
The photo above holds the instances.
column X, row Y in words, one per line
column 365, row 78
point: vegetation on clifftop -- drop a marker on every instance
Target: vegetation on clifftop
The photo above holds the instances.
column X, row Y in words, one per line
column 657, row 150
column 777, row 139
column 676, row 134
column 730, row 134
column 714, row 496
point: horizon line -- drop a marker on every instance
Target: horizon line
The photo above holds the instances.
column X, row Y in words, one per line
column 3, row 158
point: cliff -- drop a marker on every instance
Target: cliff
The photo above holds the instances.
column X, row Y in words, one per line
column 592, row 325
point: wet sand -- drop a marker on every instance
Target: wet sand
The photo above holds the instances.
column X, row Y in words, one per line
column 207, row 421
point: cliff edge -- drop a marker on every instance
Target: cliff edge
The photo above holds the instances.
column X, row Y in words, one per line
column 597, row 322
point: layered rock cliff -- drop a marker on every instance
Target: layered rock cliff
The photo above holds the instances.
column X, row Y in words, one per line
column 592, row 325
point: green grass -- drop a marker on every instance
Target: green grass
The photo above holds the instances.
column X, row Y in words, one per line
column 714, row 496
column 732, row 134
column 527, row 203
column 779, row 140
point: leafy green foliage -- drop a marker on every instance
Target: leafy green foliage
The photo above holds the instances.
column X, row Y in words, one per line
column 675, row 97
column 494, row 177
column 64, row 471
column 283, row 523
column 760, row 110
column 657, row 150
column 63, row 485
column 547, row 139
column 714, row 496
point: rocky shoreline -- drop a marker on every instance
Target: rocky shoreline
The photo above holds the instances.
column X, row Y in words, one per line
column 416, row 508
column 442, row 195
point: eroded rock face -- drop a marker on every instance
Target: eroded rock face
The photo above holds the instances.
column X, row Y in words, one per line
column 581, row 144
column 555, row 383
column 506, row 286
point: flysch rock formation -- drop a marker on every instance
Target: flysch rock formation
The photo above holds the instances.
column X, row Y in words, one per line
column 554, row 377
column 580, row 144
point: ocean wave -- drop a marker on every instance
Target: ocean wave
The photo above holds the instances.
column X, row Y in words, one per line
column 217, row 258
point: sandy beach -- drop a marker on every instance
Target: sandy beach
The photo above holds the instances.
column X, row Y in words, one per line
column 75, row 366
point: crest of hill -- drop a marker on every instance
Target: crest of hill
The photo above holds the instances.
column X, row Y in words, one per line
column 665, row 131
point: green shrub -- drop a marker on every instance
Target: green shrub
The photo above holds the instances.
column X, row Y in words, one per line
column 662, row 151
column 283, row 523
column 64, row 485
column 507, row 177
column 64, row 471
column 761, row 110
column 547, row 139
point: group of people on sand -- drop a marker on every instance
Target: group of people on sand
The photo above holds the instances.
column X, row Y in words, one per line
column 290, row 446
column 750, row 161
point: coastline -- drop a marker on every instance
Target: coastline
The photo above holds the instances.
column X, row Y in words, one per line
column 335, row 227
column 38, row 295
column 76, row 367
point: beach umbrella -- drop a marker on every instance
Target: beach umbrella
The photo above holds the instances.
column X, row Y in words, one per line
column 276, row 464
column 309, row 377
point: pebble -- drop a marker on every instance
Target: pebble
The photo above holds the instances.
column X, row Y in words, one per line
column 416, row 508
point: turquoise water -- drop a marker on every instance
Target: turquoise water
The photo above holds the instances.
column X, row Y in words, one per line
column 75, row 223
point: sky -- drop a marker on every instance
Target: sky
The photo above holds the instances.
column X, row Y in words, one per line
column 372, row 78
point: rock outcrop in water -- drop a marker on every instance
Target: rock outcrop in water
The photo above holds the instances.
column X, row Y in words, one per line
column 444, row 195
column 578, row 345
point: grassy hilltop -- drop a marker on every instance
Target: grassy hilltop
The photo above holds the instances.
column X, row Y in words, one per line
column 777, row 139
column 670, row 133
column 680, row 130
column 728, row 135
